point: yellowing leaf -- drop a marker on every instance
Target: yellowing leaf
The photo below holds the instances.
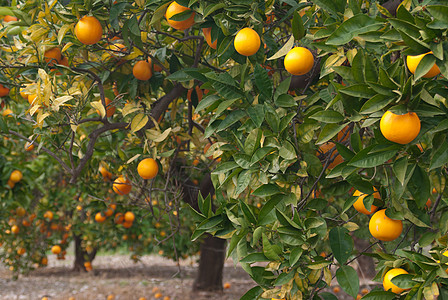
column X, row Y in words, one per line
column 284, row 50
column 129, row 108
column 270, row 293
column 133, row 158
column 74, row 127
column 139, row 122
column 43, row 75
column 99, row 107
column 63, row 30
column 41, row 117
column 60, row 101
column 156, row 136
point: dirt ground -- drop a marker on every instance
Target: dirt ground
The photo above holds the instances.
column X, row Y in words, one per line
column 119, row 276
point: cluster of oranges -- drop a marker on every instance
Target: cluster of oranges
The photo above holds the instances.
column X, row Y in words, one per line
column 14, row 178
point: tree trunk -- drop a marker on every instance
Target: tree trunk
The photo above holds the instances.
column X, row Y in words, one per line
column 211, row 265
column 211, row 261
column 81, row 255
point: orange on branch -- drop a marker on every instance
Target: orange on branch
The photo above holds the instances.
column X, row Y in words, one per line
column 148, row 168
column 384, row 228
column 387, row 280
column 16, row 176
column 359, row 204
column 142, row 70
column 100, row 218
column 4, row 91
column 199, row 94
column 56, row 249
column 247, row 42
column 122, row 186
column 401, row 129
column 88, row 30
column 53, row 56
column 173, row 9
column 208, row 37
column 413, row 61
column 335, row 159
column 129, row 216
column 299, row 61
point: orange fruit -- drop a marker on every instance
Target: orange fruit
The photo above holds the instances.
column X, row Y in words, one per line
column 117, row 50
column 359, row 204
column 111, row 297
column 166, row 298
column 142, row 70
column 208, row 37
column 105, row 173
column 127, row 224
column 15, row 229
column 64, row 61
column 335, row 157
column 364, row 291
column 299, row 61
column 32, row 98
column 20, row 211
column 269, row 18
column 53, row 56
column 48, row 215
column 4, row 91
column 336, row 289
column 29, row 146
column 401, row 129
column 148, row 168
column 247, row 42
column 21, row 251
column 100, row 218
column 158, row 295
column 56, row 249
column 206, row 149
column 108, row 212
column 387, row 280
column 88, row 30
column 122, row 186
column 199, row 94
column 119, row 218
column 413, row 61
column 227, row 285
column 44, row 261
column 173, row 9
column 384, row 228
column 7, row 112
column 129, row 216
column 16, row 176
column 7, row 19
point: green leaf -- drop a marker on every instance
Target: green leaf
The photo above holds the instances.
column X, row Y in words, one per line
column 373, row 156
column 328, row 116
column 243, row 160
column 440, row 157
column 231, row 119
column 247, row 211
column 358, row 90
column 285, row 220
column 298, row 30
column 260, row 154
column 208, row 10
column 341, row 244
column 266, row 190
column 207, row 101
column 269, row 250
column 376, row 103
column 242, row 182
column 262, row 81
column 403, row 281
column 256, row 114
column 3, row 126
column 399, row 167
column 159, row 13
column 328, row 132
column 225, row 167
column 380, row 295
column 285, row 100
column 335, row 7
column 284, row 278
column 253, row 294
column 267, row 213
column 295, row 256
column 439, row 12
column 210, row 223
column 424, row 66
column 287, row 151
column 419, row 186
column 252, row 141
column 348, row 280
column 413, row 43
column 254, row 257
column 353, row 27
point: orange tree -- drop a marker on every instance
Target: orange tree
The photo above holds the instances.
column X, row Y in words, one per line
column 301, row 105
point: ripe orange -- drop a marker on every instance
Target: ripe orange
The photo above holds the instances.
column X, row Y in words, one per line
column 122, row 186
column 227, row 285
column 208, row 37
column 29, row 146
column 107, row 176
column 387, row 283
column 401, row 129
column 142, row 70
column 336, row 289
column 158, row 295
column 413, row 61
column 108, row 212
column 384, row 228
column 337, row 159
column 100, row 218
column 117, row 50
column 7, row 112
column 110, row 109
column 119, row 218
column 129, row 216
column 16, row 176
column 21, row 251
column 15, row 229
column 173, row 9
column 199, row 94
column 48, row 215
column 359, row 204
column 7, row 19
column 64, row 61
column 299, row 61
column 88, row 30
column 148, row 168
column 247, row 42
column 127, row 224
column 32, row 98
column 20, row 211
column 53, row 56
column 56, row 249
column 4, row 91
column 44, row 261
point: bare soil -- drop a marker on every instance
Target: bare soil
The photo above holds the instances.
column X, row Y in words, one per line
column 119, row 276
